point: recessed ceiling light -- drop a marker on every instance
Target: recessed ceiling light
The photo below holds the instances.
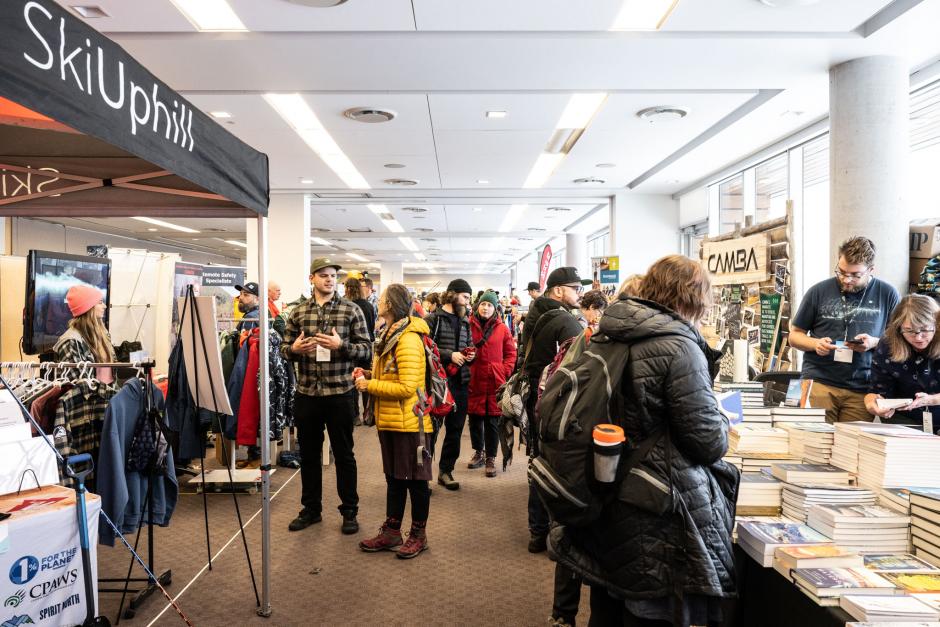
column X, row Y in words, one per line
column 662, row 113
column 643, row 14
column 168, row 225
column 220, row 115
column 394, row 166
column 589, row 180
column 307, row 181
column 477, row 209
column 483, row 182
column 370, row 115
column 89, row 12
column 496, row 114
column 606, row 165
column 210, row 15
column 405, row 182
column 408, row 243
column 423, row 229
column 151, row 230
column 235, row 242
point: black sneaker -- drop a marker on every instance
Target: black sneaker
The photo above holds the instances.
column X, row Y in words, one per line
column 304, row 519
column 446, row 479
column 538, row 543
column 350, row 524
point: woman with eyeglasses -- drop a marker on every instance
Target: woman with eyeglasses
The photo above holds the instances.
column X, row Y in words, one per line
column 906, row 364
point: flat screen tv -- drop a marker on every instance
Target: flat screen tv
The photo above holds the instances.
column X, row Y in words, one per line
column 48, row 278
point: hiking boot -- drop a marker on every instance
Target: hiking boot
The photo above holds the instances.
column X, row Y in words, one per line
column 350, row 524
column 387, row 540
column 304, row 519
column 446, row 479
column 477, row 460
column 560, row 621
column 490, row 466
column 417, row 541
column 538, row 542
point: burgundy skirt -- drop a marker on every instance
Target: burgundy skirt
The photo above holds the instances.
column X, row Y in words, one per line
column 400, row 455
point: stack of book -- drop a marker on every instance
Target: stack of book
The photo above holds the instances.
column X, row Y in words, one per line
column 925, row 524
column 738, row 519
column 897, row 563
column 895, row 498
column 826, row 585
column 798, row 498
column 752, row 392
column 845, row 441
column 785, row 414
column 898, row 458
column 789, row 558
column 758, row 441
column 759, row 495
column 757, row 415
column 809, row 474
column 878, row 609
column 760, row 539
column 915, row 583
column 810, row 441
column 862, row 527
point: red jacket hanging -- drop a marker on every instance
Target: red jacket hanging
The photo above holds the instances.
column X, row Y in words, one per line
column 249, row 407
column 493, row 364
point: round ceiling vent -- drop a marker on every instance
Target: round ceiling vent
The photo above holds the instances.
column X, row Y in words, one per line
column 423, row 229
column 535, row 228
column 559, row 209
column 394, row 166
column 406, row 182
column 662, row 113
column 589, row 180
column 369, row 115
column 414, row 209
column 319, row 4
column 320, row 229
column 426, row 239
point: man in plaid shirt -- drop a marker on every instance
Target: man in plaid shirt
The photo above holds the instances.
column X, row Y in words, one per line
column 326, row 335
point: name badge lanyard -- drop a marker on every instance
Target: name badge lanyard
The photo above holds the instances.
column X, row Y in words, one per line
column 846, row 320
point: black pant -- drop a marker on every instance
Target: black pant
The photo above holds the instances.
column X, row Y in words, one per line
column 538, row 515
column 336, row 413
column 453, row 425
column 397, row 491
column 567, row 594
column 607, row 611
column 484, row 434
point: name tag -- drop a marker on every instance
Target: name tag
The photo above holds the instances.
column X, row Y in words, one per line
column 843, row 355
column 928, row 422
column 323, row 353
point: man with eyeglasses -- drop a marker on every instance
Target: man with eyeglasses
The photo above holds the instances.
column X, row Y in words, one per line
column 837, row 326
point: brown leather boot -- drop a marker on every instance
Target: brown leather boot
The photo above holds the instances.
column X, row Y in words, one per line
column 417, row 541
column 387, row 539
column 490, row 466
column 477, row 460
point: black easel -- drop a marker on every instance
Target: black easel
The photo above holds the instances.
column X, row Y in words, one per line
column 165, row 578
column 195, row 321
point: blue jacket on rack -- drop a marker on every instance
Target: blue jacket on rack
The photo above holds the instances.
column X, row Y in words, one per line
column 123, row 492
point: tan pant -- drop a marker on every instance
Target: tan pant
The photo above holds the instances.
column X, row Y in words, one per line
column 841, row 405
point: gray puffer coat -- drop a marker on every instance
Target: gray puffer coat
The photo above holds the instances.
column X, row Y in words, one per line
column 646, row 544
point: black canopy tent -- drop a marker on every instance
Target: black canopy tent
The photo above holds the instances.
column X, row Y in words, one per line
column 86, row 131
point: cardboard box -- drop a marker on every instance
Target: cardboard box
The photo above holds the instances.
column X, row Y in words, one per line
column 925, row 238
column 914, row 274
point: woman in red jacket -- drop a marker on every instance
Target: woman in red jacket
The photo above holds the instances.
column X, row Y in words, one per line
column 494, row 362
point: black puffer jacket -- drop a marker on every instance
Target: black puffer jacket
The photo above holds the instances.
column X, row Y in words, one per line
column 646, row 544
column 442, row 326
column 551, row 333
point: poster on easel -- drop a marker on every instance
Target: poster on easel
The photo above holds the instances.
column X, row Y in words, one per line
column 202, row 355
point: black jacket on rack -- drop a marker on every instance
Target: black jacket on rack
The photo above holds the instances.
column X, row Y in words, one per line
column 186, row 422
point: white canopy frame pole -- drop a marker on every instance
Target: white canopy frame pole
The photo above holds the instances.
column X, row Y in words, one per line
column 265, row 609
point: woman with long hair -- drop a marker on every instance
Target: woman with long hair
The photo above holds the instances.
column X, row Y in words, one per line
column 86, row 339
column 396, row 378
column 660, row 553
column 906, row 364
column 493, row 364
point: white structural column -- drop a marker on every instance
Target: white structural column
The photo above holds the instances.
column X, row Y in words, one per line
column 391, row 272
column 576, row 253
column 868, row 156
column 643, row 228
column 288, row 253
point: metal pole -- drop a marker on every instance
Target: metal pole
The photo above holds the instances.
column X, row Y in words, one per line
column 265, row 609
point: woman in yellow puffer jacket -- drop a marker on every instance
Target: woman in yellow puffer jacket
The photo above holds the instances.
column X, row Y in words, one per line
column 398, row 371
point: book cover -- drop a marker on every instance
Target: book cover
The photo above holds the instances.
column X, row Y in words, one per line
column 850, row 513
column 782, row 533
column 915, row 583
column 896, row 563
column 814, row 551
column 842, row 579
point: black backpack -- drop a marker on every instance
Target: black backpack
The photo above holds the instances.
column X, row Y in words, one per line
column 577, row 397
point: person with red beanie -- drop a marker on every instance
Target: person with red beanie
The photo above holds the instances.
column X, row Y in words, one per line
column 87, row 338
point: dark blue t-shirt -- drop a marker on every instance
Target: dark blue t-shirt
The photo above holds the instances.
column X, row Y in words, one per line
column 905, row 379
column 823, row 313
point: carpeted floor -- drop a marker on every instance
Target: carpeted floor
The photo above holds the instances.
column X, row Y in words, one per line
column 476, row 572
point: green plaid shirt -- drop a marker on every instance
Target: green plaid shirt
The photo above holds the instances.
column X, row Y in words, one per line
column 327, row 378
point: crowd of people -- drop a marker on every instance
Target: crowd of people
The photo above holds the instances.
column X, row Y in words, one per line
column 367, row 354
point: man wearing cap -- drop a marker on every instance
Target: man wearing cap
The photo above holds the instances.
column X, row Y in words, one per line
column 450, row 330
column 548, row 324
column 534, row 290
column 326, row 336
column 248, row 305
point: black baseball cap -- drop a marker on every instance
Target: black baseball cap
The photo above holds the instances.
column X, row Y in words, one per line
column 533, row 286
column 251, row 287
column 565, row 276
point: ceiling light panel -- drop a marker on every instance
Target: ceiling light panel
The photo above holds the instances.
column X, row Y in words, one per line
column 542, row 170
column 234, row 242
column 643, row 14
column 512, row 216
column 357, row 257
column 320, row 241
column 298, row 114
column 580, row 109
column 409, row 243
column 210, row 15
column 166, row 225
